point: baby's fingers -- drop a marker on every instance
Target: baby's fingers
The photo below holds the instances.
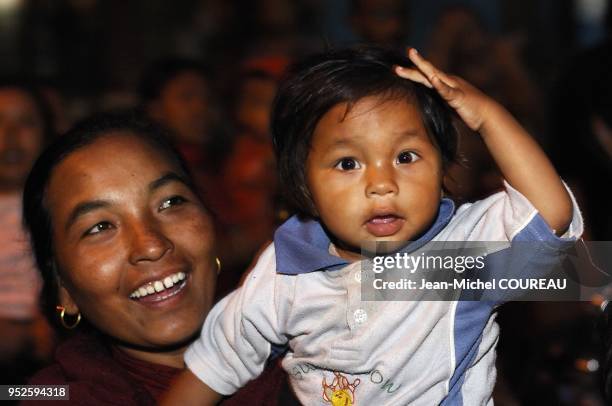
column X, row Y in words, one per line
column 452, row 95
column 427, row 68
column 413, row 75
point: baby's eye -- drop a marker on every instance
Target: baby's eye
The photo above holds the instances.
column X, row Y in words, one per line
column 347, row 164
column 407, row 157
column 172, row 201
column 98, row 228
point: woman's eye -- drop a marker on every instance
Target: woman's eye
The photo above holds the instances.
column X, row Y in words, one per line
column 407, row 157
column 98, row 228
column 173, row 201
column 347, row 164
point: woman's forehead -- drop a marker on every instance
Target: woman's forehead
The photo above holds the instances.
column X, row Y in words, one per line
column 119, row 162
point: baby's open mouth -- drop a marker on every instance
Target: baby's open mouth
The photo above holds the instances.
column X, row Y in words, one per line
column 162, row 289
column 384, row 225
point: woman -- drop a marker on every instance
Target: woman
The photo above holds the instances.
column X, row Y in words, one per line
column 126, row 251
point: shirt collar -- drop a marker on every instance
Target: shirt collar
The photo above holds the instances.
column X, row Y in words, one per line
column 302, row 246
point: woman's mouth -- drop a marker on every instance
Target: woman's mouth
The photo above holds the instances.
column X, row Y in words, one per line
column 385, row 225
column 163, row 289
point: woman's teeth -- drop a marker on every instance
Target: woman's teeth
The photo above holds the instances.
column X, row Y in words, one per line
column 158, row 286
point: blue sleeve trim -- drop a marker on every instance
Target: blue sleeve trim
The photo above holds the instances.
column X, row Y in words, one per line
column 470, row 320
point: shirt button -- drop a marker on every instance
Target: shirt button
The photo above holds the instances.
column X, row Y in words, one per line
column 360, row 316
column 358, row 276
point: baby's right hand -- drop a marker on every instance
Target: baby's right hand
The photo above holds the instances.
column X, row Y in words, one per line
column 471, row 104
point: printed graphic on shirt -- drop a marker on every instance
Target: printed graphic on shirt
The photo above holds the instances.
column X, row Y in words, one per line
column 340, row 392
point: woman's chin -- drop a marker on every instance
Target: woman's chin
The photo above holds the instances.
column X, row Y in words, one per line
column 170, row 337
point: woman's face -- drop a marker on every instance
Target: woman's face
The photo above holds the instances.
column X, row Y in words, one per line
column 124, row 225
column 21, row 136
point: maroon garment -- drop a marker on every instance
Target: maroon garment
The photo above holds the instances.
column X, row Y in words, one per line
column 97, row 375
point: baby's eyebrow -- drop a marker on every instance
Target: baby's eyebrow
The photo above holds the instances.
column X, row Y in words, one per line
column 339, row 142
column 409, row 133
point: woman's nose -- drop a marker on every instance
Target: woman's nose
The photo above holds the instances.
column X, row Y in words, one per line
column 148, row 243
column 381, row 181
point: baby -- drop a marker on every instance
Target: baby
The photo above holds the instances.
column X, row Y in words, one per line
column 363, row 137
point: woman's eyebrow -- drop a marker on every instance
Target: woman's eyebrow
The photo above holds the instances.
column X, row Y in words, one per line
column 84, row 208
column 87, row 207
column 166, row 178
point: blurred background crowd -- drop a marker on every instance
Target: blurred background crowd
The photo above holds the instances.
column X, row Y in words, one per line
column 208, row 70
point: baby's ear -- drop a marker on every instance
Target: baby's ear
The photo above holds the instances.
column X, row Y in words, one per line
column 448, row 184
column 311, row 207
column 314, row 212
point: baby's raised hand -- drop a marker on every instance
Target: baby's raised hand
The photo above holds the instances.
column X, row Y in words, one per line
column 470, row 103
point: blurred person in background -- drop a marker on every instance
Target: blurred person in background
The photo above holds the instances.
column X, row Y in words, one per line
column 256, row 89
column 381, row 22
column 54, row 96
column 461, row 44
column 249, row 214
column 177, row 93
column 25, row 127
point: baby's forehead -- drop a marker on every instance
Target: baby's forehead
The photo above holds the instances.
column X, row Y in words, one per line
column 397, row 103
column 395, row 114
column 383, row 122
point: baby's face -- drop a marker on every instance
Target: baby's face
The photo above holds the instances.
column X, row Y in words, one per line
column 374, row 174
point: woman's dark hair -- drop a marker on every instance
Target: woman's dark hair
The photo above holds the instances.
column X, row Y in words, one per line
column 42, row 106
column 36, row 216
column 312, row 87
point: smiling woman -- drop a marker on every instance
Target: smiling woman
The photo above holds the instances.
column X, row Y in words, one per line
column 125, row 244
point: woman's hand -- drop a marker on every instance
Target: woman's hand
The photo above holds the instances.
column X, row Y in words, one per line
column 471, row 104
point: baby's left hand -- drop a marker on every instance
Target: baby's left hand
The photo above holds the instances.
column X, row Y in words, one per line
column 471, row 104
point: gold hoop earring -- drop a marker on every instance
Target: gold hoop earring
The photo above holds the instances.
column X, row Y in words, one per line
column 62, row 316
column 218, row 262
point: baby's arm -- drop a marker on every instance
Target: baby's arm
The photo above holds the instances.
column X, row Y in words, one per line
column 520, row 159
column 236, row 338
column 188, row 390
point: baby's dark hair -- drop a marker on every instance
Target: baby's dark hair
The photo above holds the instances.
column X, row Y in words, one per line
column 312, row 87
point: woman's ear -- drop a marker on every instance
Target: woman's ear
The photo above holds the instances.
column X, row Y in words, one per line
column 218, row 265
column 63, row 295
column 66, row 301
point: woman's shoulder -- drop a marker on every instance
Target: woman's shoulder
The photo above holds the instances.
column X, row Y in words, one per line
column 72, row 358
column 86, row 365
column 50, row 375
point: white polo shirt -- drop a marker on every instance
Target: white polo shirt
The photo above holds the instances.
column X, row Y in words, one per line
column 364, row 353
